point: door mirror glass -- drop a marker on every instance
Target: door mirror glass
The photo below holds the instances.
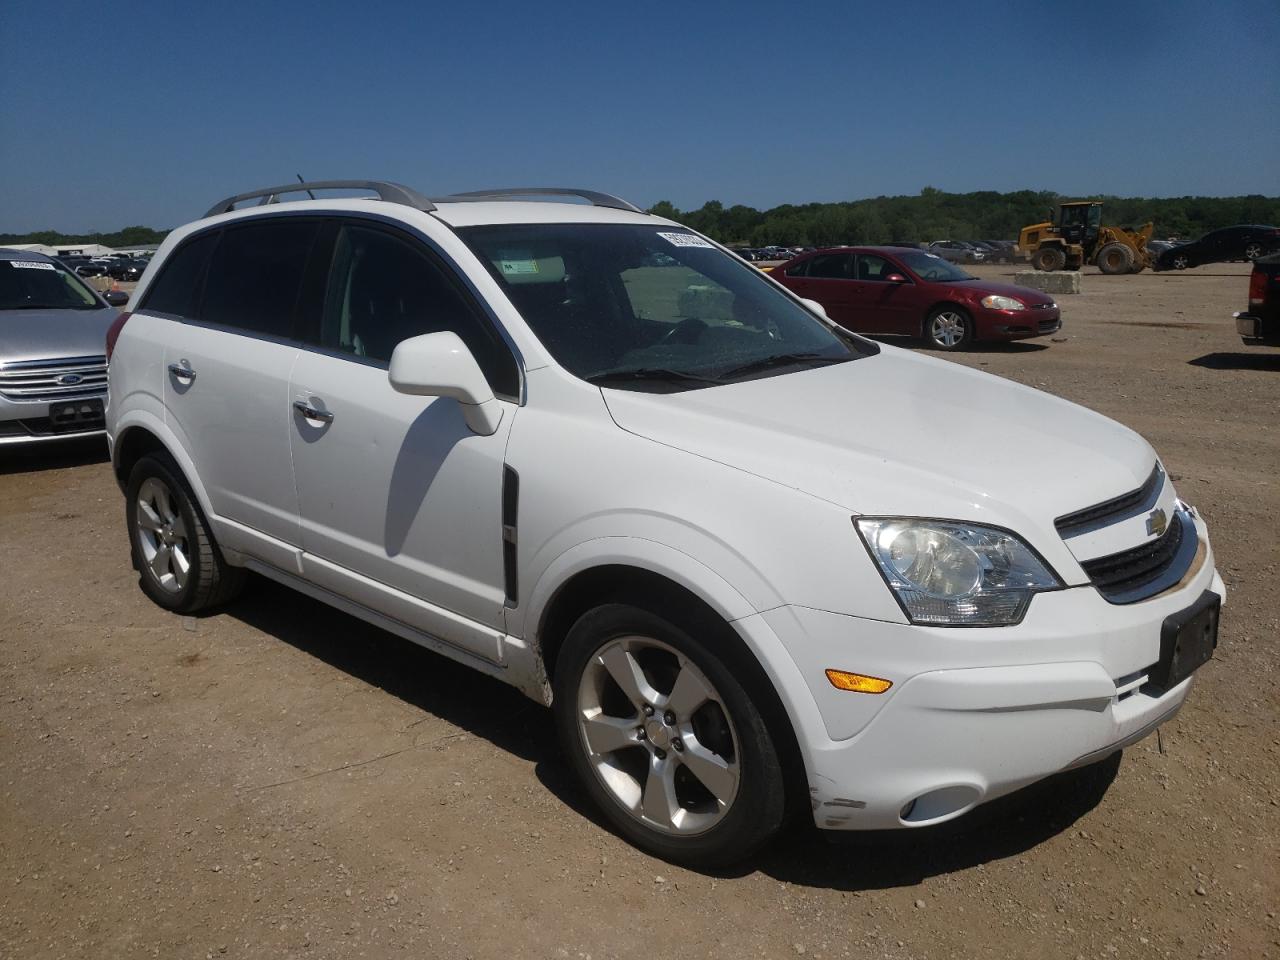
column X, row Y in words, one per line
column 117, row 298
column 440, row 365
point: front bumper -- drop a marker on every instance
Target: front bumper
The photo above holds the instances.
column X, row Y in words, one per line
column 974, row 714
column 25, row 423
column 1016, row 324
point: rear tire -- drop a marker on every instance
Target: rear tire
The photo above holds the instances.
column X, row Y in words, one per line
column 1253, row 251
column 675, row 754
column 1049, row 259
column 948, row 328
column 179, row 565
column 1115, row 259
column 1180, row 261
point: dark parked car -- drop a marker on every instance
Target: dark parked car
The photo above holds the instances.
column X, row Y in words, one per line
column 83, row 266
column 126, row 269
column 1260, row 324
column 1003, row 251
column 956, row 251
column 1246, row 242
column 919, row 294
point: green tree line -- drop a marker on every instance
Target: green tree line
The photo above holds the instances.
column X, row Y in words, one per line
column 128, row 237
column 935, row 215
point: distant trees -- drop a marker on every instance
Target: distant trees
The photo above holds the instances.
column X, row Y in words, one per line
column 937, row 215
column 128, row 237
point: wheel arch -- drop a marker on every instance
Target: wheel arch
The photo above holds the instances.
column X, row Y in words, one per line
column 142, row 434
column 933, row 308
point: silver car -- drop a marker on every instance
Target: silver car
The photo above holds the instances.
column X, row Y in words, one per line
column 53, row 369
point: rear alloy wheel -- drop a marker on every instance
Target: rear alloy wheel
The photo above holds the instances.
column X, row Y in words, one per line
column 948, row 328
column 179, row 565
column 665, row 739
column 1253, row 251
column 1049, row 259
column 1180, row 261
column 1115, row 259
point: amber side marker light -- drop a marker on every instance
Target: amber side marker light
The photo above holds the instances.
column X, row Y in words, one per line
column 857, row 682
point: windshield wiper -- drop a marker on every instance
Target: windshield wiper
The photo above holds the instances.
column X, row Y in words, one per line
column 648, row 373
column 780, row 360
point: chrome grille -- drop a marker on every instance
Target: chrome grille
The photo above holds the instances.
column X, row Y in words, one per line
column 1145, row 570
column 67, row 378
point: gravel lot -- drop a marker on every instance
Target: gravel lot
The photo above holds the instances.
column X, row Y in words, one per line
column 281, row 780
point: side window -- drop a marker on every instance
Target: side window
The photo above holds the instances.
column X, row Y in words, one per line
column 256, row 273
column 832, row 266
column 383, row 289
column 801, row 269
column 871, row 267
column 174, row 291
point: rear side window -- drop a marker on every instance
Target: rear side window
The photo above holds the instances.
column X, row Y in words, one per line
column 832, row 266
column 255, row 276
column 174, row 291
column 383, row 289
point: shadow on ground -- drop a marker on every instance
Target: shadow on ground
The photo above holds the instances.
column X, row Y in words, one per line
column 489, row 709
column 1268, row 361
column 36, row 457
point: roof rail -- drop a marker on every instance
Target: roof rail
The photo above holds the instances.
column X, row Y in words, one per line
column 597, row 199
column 390, row 192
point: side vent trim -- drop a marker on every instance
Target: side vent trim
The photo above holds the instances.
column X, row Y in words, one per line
column 510, row 517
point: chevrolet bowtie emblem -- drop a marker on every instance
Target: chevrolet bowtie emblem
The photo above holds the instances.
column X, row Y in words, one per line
column 1157, row 522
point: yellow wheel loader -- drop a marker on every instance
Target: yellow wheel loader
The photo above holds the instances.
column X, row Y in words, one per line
column 1076, row 237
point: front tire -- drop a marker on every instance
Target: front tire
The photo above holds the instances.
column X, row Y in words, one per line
column 1181, row 261
column 1253, row 251
column 179, row 565
column 948, row 328
column 1115, row 259
column 1049, row 259
column 665, row 739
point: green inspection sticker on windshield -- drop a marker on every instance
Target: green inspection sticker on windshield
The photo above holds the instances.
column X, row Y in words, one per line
column 515, row 263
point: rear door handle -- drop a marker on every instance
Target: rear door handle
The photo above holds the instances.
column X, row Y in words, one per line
column 312, row 413
column 182, row 370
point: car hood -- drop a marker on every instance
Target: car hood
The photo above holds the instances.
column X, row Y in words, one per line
column 984, row 287
column 51, row 334
column 904, row 435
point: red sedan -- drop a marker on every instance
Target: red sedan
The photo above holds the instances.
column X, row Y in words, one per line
column 911, row 292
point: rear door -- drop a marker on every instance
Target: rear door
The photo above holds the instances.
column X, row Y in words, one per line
column 227, row 381
column 828, row 279
column 400, row 503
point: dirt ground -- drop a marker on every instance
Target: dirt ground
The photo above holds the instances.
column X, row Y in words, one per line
column 280, row 780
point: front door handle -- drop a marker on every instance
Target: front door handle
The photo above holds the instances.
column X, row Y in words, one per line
column 182, row 370
column 305, row 408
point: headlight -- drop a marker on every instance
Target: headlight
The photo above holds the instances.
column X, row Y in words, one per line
column 997, row 302
column 956, row 574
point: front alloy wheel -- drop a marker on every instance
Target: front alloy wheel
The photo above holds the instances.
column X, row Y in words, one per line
column 655, row 719
column 668, row 756
column 948, row 329
column 1253, row 251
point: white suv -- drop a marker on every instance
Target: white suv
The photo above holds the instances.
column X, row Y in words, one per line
column 753, row 562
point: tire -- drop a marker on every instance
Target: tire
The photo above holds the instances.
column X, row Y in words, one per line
column 1252, row 251
column 1137, row 268
column 1180, row 261
column 948, row 328
column 1115, row 259
column 166, row 530
column 660, row 731
column 1049, row 259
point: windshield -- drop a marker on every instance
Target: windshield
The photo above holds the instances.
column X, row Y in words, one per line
column 41, row 285
column 652, row 308
column 930, row 266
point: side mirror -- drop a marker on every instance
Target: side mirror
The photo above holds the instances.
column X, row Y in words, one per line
column 816, row 307
column 117, row 298
column 896, row 278
column 440, row 365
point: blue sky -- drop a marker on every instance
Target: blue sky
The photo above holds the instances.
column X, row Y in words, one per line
column 145, row 113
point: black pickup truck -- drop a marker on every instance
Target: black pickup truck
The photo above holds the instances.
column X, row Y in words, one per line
column 1260, row 324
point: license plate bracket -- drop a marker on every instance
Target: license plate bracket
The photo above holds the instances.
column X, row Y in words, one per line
column 1187, row 641
column 76, row 415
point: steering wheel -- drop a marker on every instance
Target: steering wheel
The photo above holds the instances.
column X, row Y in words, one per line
column 686, row 331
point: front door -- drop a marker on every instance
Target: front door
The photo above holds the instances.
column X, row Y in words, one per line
column 828, row 279
column 881, row 305
column 400, row 503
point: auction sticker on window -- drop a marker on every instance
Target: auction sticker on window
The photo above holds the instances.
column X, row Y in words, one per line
column 32, row 265
column 517, row 262
column 686, row 240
